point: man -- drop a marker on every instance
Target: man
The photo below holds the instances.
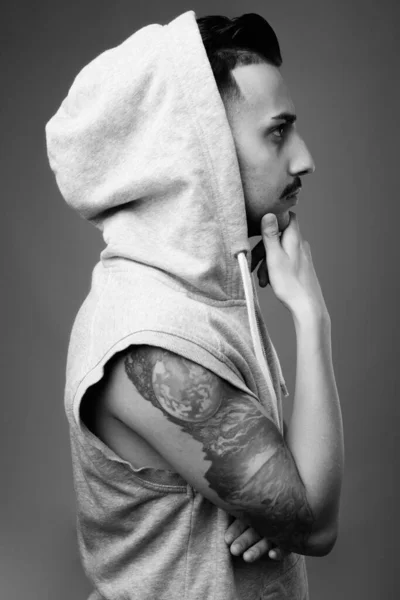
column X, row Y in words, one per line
column 179, row 145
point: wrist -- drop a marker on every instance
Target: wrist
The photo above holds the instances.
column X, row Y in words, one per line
column 309, row 313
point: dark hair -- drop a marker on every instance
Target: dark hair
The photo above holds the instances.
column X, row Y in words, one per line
column 229, row 43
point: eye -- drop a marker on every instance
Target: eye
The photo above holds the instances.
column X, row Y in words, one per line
column 281, row 130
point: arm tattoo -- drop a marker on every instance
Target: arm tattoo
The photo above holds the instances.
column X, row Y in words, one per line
column 250, row 462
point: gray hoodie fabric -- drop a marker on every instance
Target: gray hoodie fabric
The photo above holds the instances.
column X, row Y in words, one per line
column 141, row 147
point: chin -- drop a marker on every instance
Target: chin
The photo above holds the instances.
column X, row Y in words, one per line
column 283, row 221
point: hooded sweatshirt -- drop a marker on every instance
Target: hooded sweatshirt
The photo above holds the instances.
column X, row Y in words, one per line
column 141, row 147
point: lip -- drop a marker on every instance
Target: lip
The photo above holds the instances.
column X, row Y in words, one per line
column 292, row 196
column 295, row 194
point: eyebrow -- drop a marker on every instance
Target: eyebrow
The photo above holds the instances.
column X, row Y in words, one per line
column 286, row 116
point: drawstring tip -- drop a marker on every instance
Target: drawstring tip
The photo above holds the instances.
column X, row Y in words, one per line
column 284, row 389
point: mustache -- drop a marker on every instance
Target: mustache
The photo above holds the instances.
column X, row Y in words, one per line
column 296, row 185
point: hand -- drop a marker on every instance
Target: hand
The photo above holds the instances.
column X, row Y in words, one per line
column 287, row 264
column 250, row 544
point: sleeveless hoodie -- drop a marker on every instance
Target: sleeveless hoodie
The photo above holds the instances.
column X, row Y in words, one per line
column 141, row 147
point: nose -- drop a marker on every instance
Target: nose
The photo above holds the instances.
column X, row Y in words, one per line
column 302, row 162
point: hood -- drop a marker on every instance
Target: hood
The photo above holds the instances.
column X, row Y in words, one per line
column 141, row 147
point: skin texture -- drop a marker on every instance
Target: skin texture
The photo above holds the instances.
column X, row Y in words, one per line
column 250, row 465
column 272, row 155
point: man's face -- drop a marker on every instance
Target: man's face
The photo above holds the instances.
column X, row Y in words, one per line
column 271, row 154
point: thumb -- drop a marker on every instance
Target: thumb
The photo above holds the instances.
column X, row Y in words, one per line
column 270, row 229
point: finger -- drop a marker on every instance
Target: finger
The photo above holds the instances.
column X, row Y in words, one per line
column 270, row 233
column 291, row 237
column 234, row 530
column 256, row 550
column 307, row 248
column 247, row 539
column 277, row 553
column 257, row 254
column 263, row 273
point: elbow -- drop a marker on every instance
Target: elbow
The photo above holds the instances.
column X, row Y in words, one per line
column 322, row 543
column 331, row 541
column 319, row 542
column 322, row 549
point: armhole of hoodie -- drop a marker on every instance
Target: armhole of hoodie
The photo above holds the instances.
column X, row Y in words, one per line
column 99, row 453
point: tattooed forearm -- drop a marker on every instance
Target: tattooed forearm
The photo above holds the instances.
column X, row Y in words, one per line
column 251, row 466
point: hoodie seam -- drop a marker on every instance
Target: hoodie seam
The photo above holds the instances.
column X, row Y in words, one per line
column 201, row 343
column 188, row 546
column 196, row 297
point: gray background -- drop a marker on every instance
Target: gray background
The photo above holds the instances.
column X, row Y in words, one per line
column 339, row 59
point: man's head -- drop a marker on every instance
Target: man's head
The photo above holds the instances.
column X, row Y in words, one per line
column 245, row 58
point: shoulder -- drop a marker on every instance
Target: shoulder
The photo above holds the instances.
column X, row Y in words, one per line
column 180, row 387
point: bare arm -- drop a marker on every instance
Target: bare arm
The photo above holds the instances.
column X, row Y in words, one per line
column 219, row 439
column 315, row 431
column 314, row 435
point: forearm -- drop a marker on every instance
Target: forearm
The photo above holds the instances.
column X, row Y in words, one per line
column 314, row 440
column 315, row 430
